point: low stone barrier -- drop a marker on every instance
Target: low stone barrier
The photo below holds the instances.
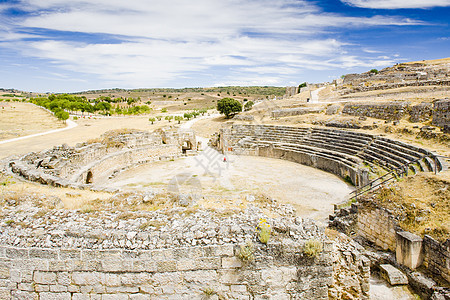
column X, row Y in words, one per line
column 385, row 111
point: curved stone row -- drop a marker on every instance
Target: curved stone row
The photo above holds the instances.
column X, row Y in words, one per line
column 86, row 164
column 344, row 153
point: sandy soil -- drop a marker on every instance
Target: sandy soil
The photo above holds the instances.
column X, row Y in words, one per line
column 21, row 119
column 312, row 192
column 86, row 129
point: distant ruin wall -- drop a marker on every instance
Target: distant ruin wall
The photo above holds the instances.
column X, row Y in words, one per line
column 278, row 271
column 441, row 114
column 385, row 111
column 294, row 112
column 421, row 112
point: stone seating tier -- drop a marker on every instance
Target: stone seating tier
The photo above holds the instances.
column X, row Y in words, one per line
column 387, row 153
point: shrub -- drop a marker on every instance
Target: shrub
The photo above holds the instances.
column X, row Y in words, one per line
column 312, row 248
column 246, row 252
column 164, row 110
column 264, row 231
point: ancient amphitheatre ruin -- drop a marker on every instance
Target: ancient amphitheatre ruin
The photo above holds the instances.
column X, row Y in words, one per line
column 306, row 196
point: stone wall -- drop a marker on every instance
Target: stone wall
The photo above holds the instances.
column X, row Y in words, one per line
column 441, row 114
column 377, row 225
column 288, row 112
column 278, row 271
column 88, row 163
column 421, row 112
column 436, row 257
column 385, row 111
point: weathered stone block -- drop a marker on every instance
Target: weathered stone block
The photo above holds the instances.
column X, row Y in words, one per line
column 167, row 266
column 43, row 253
column 44, row 277
column 393, row 275
column 4, row 270
column 16, row 253
column 88, row 278
column 139, row 297
column 21, row 295
column 409, row 249
column 231, row 262
column 115, row 297
column 65, row 254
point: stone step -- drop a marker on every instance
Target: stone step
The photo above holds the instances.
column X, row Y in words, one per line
column 393, row 275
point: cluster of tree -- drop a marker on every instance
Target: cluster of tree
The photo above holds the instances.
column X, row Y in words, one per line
column 133, row 110
column 186, row 115
column 71, row 103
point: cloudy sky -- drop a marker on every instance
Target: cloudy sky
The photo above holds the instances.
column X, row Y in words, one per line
column 75, row 45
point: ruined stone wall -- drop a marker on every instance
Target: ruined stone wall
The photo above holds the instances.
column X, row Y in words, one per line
column 377, row 225
column 122, row 160
column 441, row 114
column 421, row 112
column 436, row 257
column 385, row 111
column 294, row 111
column 278, row 271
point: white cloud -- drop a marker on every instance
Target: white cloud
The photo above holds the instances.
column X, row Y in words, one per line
column 396, row 4
column 160, row 41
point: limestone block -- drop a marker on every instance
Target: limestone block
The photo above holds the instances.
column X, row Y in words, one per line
column 409, row 249
column 88, row 278
column 393, row 275
column 43, row 253
column 4, row 270
column 20, row 295
column 79, row 296
column 54, row 296
column 167, row 266
column 231, row 262
column 115, row 297
column 16, row 253
column 44, row 277
column 139, row 297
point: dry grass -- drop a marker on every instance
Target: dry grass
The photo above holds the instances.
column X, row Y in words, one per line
column 422, row 203
column 20, row 119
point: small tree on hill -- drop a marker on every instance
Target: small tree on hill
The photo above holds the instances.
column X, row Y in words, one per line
column 152, row 120
column 187, row 115
column 169, row 118
column 229, row 107
column 248, row 105
column 179, row 119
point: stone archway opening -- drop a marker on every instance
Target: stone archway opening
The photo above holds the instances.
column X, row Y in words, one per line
column 89, row 177
column 187, row 145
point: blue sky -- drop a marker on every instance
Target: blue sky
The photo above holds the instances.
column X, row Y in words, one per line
column 67, row 46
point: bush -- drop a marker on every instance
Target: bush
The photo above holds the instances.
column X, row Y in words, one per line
column 229, row 107
column 248, row 105
column 264, row 231
column 246, row 252
column 312, row 248
column 374, row 71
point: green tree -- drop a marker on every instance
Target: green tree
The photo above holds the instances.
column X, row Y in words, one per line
column 159, row 118
column 62, row 115
column 152, row 120
column 169, row 118
column 248, row 105
column 203, row 111
column 374, row 71
column 195, row 113
column 164, row 110
column 179, row 119
column 187, row 115
column 229, row 107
